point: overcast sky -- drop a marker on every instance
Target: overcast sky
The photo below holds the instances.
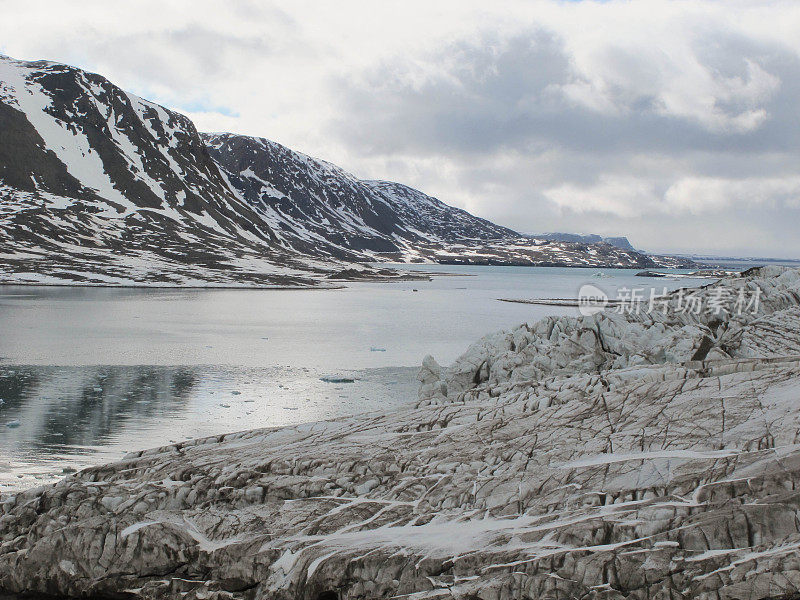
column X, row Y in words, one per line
column 674, row 123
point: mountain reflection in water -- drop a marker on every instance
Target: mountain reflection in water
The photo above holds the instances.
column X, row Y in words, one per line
column 60, row 407
column 55, row 419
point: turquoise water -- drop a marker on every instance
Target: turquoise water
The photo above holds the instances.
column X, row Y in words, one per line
column 87, row 374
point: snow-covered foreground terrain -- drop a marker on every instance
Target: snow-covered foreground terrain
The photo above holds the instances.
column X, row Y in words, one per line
column 614, row 456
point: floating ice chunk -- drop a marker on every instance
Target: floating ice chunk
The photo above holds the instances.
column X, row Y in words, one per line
column 374, row 349
column 97, row 389
column 13, row 424
column 235, row 393
column 337, row 379
column 225, row 405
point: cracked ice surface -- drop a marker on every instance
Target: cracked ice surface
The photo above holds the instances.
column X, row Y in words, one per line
column 633, row 473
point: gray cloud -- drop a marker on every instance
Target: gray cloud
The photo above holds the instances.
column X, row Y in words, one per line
column 532, row 155
column 490, row 95
column 198, row 56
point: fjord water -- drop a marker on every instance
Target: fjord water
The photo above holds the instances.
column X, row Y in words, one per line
column 87, row 374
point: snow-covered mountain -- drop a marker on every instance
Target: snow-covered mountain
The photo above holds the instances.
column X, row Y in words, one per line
column 319, row 209
column 98, row 185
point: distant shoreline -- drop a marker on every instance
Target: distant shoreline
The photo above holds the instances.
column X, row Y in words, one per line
column 339, row 285
column 169, row 287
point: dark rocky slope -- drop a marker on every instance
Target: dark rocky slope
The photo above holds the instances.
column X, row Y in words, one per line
column 319, row 209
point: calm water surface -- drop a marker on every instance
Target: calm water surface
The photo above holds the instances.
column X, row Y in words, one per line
column 87, row 374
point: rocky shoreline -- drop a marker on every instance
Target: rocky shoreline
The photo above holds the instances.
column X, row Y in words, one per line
column 621, row 455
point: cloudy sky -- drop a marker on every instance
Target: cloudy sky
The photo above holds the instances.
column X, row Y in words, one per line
column 676, row 123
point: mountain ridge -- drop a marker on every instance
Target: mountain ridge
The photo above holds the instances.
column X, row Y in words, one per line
column 101, row 187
